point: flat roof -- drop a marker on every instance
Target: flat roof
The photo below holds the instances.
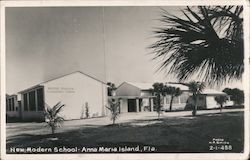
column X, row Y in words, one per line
column 212, row 92
column 149, row 85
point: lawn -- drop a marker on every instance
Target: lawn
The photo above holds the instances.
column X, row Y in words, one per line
column 169, row 134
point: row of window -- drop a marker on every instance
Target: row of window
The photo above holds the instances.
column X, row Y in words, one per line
column 10, row 104
column 33, row 100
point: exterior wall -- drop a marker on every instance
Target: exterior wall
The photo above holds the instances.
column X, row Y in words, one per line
column 146, row 93
column 104, row 100
column 208, row 102
column 32, row 115
column 211, row 103
column 127, row 90
column 201, row 102
column 75, row 91
column 229, row 103
column 124, row 106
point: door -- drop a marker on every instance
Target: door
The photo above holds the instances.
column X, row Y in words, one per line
column 131, row 105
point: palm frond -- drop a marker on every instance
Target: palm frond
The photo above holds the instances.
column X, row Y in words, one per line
column 53, row 119
column 207, row 44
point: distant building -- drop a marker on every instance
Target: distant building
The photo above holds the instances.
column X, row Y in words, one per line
column 75, row 90
column 207, row 99
column 137, row 97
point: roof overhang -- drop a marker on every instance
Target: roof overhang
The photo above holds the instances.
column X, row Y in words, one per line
column 129, row 97
column 31, row 88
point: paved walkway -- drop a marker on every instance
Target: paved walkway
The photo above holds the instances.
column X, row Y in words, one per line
column 14, row 129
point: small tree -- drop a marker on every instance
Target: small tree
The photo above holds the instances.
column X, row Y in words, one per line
column 114, row 109
column 173, row 92
column 53, row 119
column 158, row 91
column 86, row 110
column 221, row 100
column 82, row 112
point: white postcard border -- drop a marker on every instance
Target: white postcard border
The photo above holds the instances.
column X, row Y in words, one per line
column 145, row 156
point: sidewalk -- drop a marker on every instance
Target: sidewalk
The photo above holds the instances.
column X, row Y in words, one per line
column 13, row 129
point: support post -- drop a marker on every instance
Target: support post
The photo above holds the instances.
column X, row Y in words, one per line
column 120, row 101
column 151, row 104
column 137, row 105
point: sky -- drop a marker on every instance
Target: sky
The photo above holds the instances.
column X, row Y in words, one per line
column 109, row 43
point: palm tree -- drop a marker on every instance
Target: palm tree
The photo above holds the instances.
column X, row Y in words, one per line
column 207, row 43
column 52, row 117
column 158, row 91
column 111, row 88
column 221, row 100
column 114, row 109
column 196, row 89
column 173, row 92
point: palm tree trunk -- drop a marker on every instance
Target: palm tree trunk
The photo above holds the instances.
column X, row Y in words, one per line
column 159, row 102
column 221, row 108
column 171, row 103
column 195, row 106
column 159, row 105
column 53, row 130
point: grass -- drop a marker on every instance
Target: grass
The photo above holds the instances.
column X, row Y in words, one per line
column 174, row 134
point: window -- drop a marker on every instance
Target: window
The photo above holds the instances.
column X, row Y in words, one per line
column 25, row 102
column 12, row 104
column 162, row 101
column 32, row 101
column 10, row 108
column 40, row 102
column 7, row 105
column 176, row 100
column 167, row 99
column 184, row 98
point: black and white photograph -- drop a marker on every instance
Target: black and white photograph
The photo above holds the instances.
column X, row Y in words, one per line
column 124, row 80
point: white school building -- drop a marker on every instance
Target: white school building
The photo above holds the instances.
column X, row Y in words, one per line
column 75, row 91
column 137, row 97
column 78, row 90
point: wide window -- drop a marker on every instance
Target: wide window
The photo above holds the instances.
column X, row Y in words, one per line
column 40, row 103
column 32, row 101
